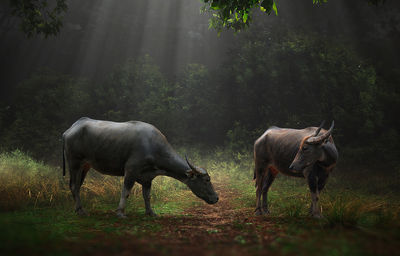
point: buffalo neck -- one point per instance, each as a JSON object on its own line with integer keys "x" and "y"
{"x": 174, "y": 166}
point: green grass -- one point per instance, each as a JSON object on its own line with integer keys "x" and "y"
{"x": 354, "y": 212}
{"x": 43, "y": 230}
{"x": 26, "y": 183}
{"x": 342, "y": 205}
{"x": 36, "y": 208}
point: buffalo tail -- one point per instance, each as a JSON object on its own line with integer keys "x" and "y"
{"x": 63, "y": 154}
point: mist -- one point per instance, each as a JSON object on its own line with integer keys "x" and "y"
{"x": 213, "y": 77}
{"x": 234, "y": 161}
{"x": 97, "y": 35}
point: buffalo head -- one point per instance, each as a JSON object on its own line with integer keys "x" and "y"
{"x": 311, "y": 149}
{"x": 200, "y": 183}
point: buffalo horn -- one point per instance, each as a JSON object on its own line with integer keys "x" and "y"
{"x": 322, "y": 137}
{"x": 319, "y": 128}
{"x": 190, "y": 165}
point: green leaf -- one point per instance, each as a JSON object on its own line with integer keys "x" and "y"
{"x": 275, "y": 9}
{"x": 245, "y": 16}
{"x": 267, "y": 5}
{"x": 215, "y": 5}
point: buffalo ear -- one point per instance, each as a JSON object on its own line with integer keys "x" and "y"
{"x": 330, "y": 150}
{"x": 190, "y": 173}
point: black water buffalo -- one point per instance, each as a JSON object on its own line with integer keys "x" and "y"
{"x": 299, "y": 153}
{"x": 136, "y": 150}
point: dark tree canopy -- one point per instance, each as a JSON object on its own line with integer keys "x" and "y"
{"x": 41, "y": 17}
{"x": 292, "y": 71}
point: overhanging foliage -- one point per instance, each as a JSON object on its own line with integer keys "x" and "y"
{"x": 42, "y": 17}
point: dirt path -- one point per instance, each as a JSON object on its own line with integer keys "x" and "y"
{"x": 220, "y": 229}
{"x": 215, "y": 229}
{"x": 228, "y": 228}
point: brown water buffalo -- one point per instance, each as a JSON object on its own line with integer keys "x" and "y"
{"x": 309, "y": 153}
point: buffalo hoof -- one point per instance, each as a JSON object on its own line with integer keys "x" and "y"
{"x": 317, "y": 216}
{"x": 121, "y": 215}
{"x": 151, "y": 214}
{"x": 265, "y": 211}
{"x": 81, "y": 212}
{"x": 258, "y": 212}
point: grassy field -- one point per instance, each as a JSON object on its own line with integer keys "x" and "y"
{"x": 37, "y": 217}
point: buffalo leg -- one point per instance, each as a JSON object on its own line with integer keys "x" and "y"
{"x": 269, "y": 178}
{"x": 258, "y": 201}
{"x": 260, "y": 176}
{"x": 146, "y": 188}
{"x": 85, "y": 169}
{"x": 77, "y": 176}
{"x": 129, "y": 181}
{"x": 313, "y": 186}
{"x": 322, "y": 179}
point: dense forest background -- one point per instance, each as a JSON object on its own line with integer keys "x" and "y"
{"x": 117, "y": 62}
